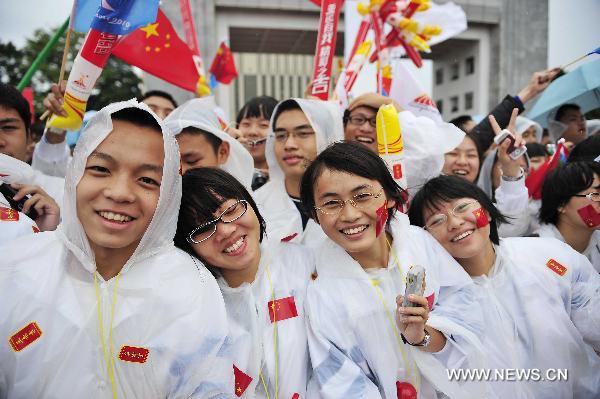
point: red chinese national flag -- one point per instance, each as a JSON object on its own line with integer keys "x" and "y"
{"x": 282, "y": 309}
{"x": 242, "y": 380}
{"x": 158, "y": 50}
{"x": 223, "y": 66}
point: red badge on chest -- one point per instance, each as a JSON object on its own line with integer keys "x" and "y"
{"x": 556, "y": 267}
{"x": 9, "y": 215}
{"x": 289, "y": 238}
{"x": 282, "y": 309}
{"x": 133, "y": 354}
{"x": 242, "y": 380}
{"x": 25, "y": 336}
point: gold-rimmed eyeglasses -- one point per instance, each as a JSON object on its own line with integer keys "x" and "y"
{"x": 360, "y": 200}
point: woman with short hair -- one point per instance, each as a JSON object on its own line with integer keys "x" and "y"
{"x": 540, "y": 298}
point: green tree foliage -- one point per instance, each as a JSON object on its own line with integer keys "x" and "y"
{"x": 117, "y": 82}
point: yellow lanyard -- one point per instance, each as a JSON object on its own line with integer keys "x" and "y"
{"x": 262, "y": 378}
{"x": 108, "y": 352}
{"x": 416, "y": 378}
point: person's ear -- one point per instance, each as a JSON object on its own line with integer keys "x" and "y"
{"x": 223, "y": 153}
{"x": 391, "y": 203}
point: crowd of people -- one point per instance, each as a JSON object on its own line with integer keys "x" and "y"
{"x": 164, "y": 252}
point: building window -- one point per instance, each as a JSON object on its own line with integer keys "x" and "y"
{"x": 440, "y": 106}
{"x": 469, "y": 100}
{"x": 470, "y": 66}
{"x": 250, "y": 89}
{"x": 454, "y": 104}
{"x": 454, "y": 71}
{"x": 439, "y": 76}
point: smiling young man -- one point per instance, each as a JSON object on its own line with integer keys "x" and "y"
{"x": 300, "y": 130}
{"x": 104, "y": 305}
{"x": 360, "y": 121}
{"x": 15, "y": 135}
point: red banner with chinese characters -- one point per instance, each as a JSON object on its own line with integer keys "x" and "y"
{"x": 330, "y": 13}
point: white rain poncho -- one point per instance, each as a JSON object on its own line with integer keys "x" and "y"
{"x": 425, "y": 143}
{"x": 539, "y": 299}
{"x": 522, "y": 124}
{"x": 14, "y": 171}
{"x": 14, "y": 224}
{"x": 353, "y": 339}
{"x": 592, "y": 252}
{"x": 511, "y": 198}
{"x": 196, "y": 113}
{"x": 169, "y": 316}
{"x": 284, "y": 272}
{"x": 281, "y": 215}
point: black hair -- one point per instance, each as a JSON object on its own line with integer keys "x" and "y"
{"x": 257, "y": 107}
{"x": 160, "y": 93}
{"x": 204, "y": 190}
{"x": 138, "y": 117}
{"x": 536, "y": 150}
{"x": 355, "y": 159}
{"x": 11, "y": 98}
{"x": 460, "y": 121}
{"x": 560, "y": 112}
{"x": 284, "y": 106}
{"x": 561, "y": 184}
{"x": 449, "y": 188}
{"x": 214, "y": 141}
{"x": 587, "y": 150}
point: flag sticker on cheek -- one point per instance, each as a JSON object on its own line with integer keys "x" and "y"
{"x": 481, "y": 219}
{"x": 590, "y": 217}
{"x": 381, "y": 220}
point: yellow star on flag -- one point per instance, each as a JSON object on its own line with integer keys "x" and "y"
{"x": 150, "y": 29}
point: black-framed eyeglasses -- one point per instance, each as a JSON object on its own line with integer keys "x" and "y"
{"x": 206, "y": 230}
{"x": 593, "y": 196}
{"x": 360, "y": 200}
{"x": 359, "y": 120}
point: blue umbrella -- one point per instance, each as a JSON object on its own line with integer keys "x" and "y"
{"x": 580, "y": 86}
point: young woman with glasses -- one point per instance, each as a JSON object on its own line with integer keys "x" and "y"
{"x": 540, "y": 298}
{"x": 570, "y": 208}
{"x": 263, "y": 283}
{"x": 358, "y": 348}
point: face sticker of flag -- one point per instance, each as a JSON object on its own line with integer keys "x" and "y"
{"x": 481, "y": 219}
{"x": 381, "y": 219}
{"x": 242, "y": 381}
{"x": 589, "y": 215}
{"x": 282, "y": 309}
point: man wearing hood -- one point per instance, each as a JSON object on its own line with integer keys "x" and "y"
{"x": 300, "y": 130}
{"x": 202, "y": 142}
{"x": 568, "y": 123}
{"x": 106, "y": 306}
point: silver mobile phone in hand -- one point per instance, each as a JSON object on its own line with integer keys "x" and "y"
{"x": 513, "y": 152}
{"x": 415, "y": 284}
